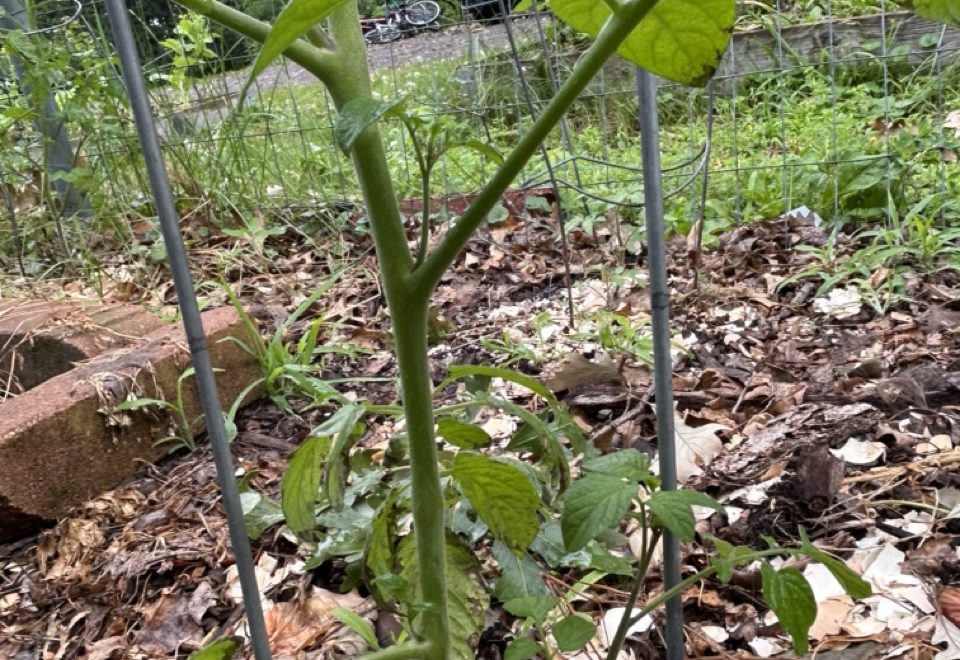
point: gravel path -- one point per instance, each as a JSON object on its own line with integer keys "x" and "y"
{"x": 451, "y": 42}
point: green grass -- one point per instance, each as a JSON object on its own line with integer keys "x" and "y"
{"x": 278, "y": 151}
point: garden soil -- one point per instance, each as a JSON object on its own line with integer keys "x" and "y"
{"x": 793, "y": 408}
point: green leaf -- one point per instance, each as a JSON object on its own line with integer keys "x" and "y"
{"x": 482, "y": 148}
{"x": 341, "y": 425}
{"x": 790, "y": 597}
{"x": 591, "y": 505}
{"x": 573, "y": 632}
{"x": 673, "y": 509}
{"x": 551, "y": 452}
{"x": 300, "y": 489}
{"x": 681, "y": 40}
{"x": 501, "y": 495}
{"x": 379, "y": 551}
{"x": 519, "y": 575}
{"x": 259, "y": 513}
{"x": 139, "y": 404}
{"x": 522, "y": 648}
{"x": 535, "y": 608}
{"x": 623, "y": 464}
{"x": 296, "y": 19}
{"x": 357, "y": 115}
{"x": 945, "y": 11}
{"x": 465, "y": 436}
{"x": 852, "y": 583}
{"x": 357, "y": 624}
{"x": 459, "y": 371}
{"x": 728, "y": 557}
{"x": 467, "y": 599}
{"x": 601, "y": 559}
{"x": 394, "y": 587}
{"x": 220, "y": 650}
{"x": 522, "y": 6}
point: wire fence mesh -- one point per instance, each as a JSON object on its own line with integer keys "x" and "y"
{"x": 846, "y": 108}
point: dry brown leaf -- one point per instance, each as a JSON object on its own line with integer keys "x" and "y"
{"x": 697, "y": 446}
{"x": 296, "y": 625}
{"x": 168, "y": 623}
{"x": 576, "y": 371}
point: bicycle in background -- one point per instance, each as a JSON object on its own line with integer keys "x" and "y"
{"x": 404, "y": 20}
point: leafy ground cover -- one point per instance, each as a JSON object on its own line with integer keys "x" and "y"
{"x": 796, "y": 406}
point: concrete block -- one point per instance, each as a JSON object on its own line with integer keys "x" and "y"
{"x": 41, "y": 339}
{"x": 62, "y": 443}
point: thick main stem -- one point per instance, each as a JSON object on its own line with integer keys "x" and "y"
{"x": 408, "y": 307}
{"x": 410, "y": 335}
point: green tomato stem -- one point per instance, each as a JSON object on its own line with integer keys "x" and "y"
{"x": 318, "y": 61}
{"x": 408, "y": 651}
{"x": 617, "y": 28}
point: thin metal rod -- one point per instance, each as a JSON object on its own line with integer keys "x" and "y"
{"x": 190, "y": 312}
{"x": 703, "y": 185}
{"x": 662, "y": 360}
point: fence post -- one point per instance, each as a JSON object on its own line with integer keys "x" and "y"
{"x": 662, "y": 360}
{"x": 59, "y": 155}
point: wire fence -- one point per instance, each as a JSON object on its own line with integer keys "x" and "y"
{"x": 849, "y": 115}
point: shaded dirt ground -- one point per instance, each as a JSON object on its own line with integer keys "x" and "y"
{"x": 768, "y": 382}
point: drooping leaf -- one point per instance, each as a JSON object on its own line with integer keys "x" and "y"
{"x": 852, "y": 583}
{"x": 223, "y": 649}
{"x": 674, "y": 509}
{"x": 482, "y": 148}
{"x": 341, "y": 426}
{"x": 379, "y": 552}
{"x": 467, "y": 600}
{"x": 300, "y": 489}
{"x": 394, "y": 587}
{"x": 296, "y": 19}
{"x": 501, "y": 495}
{"x": 522, "y": 648}
{"x": 459, "y": 371}
{"x": 790, "y": 597}
{"x": 357, "y": 624}
{"x": 681, "y": 40}
{"x": 573, "y": 632}
{"x": 945, "y": 11}
{"x": 465, "y": 436}
{"x": 357, "y": 115}
{"x": 519, "y": 575}
{"x": 591, "y": 505}
{"x": 601, "y": 559}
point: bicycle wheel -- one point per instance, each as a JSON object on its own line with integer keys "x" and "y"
{"x": 422, "y": 12}
{"x": 382, "y": 34}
